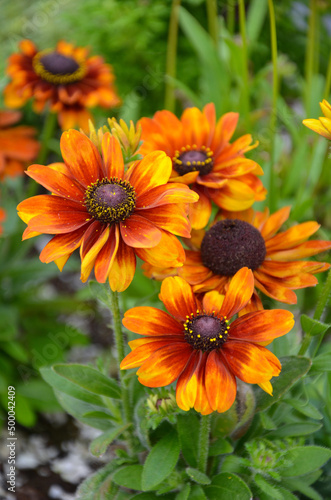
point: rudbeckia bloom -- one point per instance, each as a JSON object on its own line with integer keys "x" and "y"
{"x": 199, "y": 345}
{"x": 112, "y": 215}
{"x": 252, "y": 239}
{"x": 17, "y": 144}
{"x": 203, "y": 156}
{"x": 323, "y": 125}
{"x": 64, "y": 78}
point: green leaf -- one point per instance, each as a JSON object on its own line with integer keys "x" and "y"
{"x": 197, "y": 476}
{"x": 24, "y": 413}
{"x": 296, "y": 484}
{"x": 313, "y": 326}
{"x": 78, "y": 409}
{"x": 99, "y": 414}
{"x": 305, "y": 408}
{"x": 129, "y": 477}
{"x": 151, "y": 496}
{"x": 305, "y": 459}
{"x": 100, "y": 444}
{"x": 98, "y": 485}
{"x": 161, "y": 461}
{"x": 90, "y": 379}
{"x": 220, "y": 447}
{"x": 321, "y": 363}
{"x": 184, "y": 494}
{"x": 293, "y": 368}
{"x": 197, "y": 493}
{"x": 63, "y": 385}
{"x": 227, "y": 486}
{"x": 188, "y": 426}
{"x": 297, "y": 429}
{"x": 267, "y": 488}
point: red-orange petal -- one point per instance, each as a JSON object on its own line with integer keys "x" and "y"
{"x": 165, "y": 365}
{"x": 273, "y": 289}
{"x": 162, "y": 195}
{"x": 61, "y": 245}
{"x": 200, "y": 212}
{"x": 262, "y": 326}
{"x": 112, "y": 157}
{"x": 151, "y": 321}
{"x": 292, "y": 237}
{"x": 81, "y": 157}
{"x": 106, "y": 255}
{"x": 274, "y": 222}
{"x": 187, "y": 384}
{"x": 240, "y": 291}
{"x": 168, "y": 253}
{"x": 57, "y": 182}
{"x": 141, "y": 354}
{"x": 171, "y": 218}
{"x": 234, "y": 196}
{"x": 251, "y": 363}
{"x": 94, "y": 240}
{"x": 123, "y": 268}
{"x": 220, "y": 383}
{"x": 212, "y": 301}
{"x": 152, "y": 171}
{"x": 307, "y": 249}
{"x": 177, "y": 296}
{"x": 60, "y": 216}
{"x": 139, "y": 232}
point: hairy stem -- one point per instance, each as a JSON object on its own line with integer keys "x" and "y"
{"x": 204, "y": 442}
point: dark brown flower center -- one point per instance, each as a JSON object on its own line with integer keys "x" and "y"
{"x": 230, "y": 245}
{"x": 56, "y": 68}
{"x": 110, "y": 200}
{"x": 206, "y": 332}
{"x": 191, "y": 159}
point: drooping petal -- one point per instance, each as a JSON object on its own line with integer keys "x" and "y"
{"x": 212, "y": 301}
{"x": 235, "y": 195}
{"x": 287, "y": 269}
{"x": 152, "y": 171}
{"x": 168, "y": 253}
{"x": 165, "y": 365}
{"x": 61, "y": 245}
{"x": 123, "y": 268}
{"x": 274, "y": 289}
{"x": 106, "y": 255}
{"x": 307, "y": 249}
{"x": 81, "y": 157}
{"x": 215, "y": 282}
{"x": 251, "y": 363}
{"x": 172, "y": 218}
{"x": 112, "y": 157}
{"x": 94, "y": 239}
{"x": 187, "y": 385}
{"x": 139, "y": 355}
{"x": 178, "y": 297}
{"x": 151, "y": 321}
{"x": 194, "y": 274}
{"x": 220, "y": 383}
{"x": 201, "y": 403}
{"x": 139, "y": 232}
{"x": 200, "y": 212}
{"x": 162, "y": 195}
{"x": 240, "y": 291}
{"x": 292, "y": 237}
{"x": 262, "y": 326}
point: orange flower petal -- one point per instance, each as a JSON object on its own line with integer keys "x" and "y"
{"x": 187, "y": 385}
{"x": 251, "y": 363}
{"x": 274, "y": 289}
{"x": 112, "y": 157}
{"x": 317, "y": 126}
{"x": 151, "y": 321}
{"x": 178, "y": 297}
{"x": 139, "y": 232}
{"x": 212, "y": 301}
{"x": 61, "y": 245}
{"x": 240, "y": 291}
{"x": 141, "y": 354}
{"x": 57, "y": 182}
{"x": 215, "y": 282}
{"x": 162, "y": 195}
{"x": 307, "y": 249}
{"x": 200, "y": 212}
{"x": 266, "y": 386}
{"x": 262, "y": 326}
{"x": 201, "y": 403}
{"x": 224, "y": 131}
{"x": 94, "y": 239}
{"x": 274, "y": 222}
{"x": 292, "y": 237}
{"x": 172, "y": 218}
{"x": 287, "y": 269}
{"x": 168, "y": 253}
{"x": 81, "y": 157}
{"x": 235, "y": 195}
{"x": 164, "y": 365}
{"x": 220, "y": 383}
{"x": 123, "y": 268}
{"x": 194, "y": 274}
{"x": 152, "y": 171}
{"x": 195, "y": 127}
{"x": 106, "y": 255}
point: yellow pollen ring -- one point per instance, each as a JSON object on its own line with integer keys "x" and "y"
{"x": 58, "y": 79}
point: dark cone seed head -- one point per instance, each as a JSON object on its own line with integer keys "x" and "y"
{"x": 206, "y": 332}
{"x": 230, "y": 245}
{"x": 110, "y": 200}
{"x": 193, "y": 159}
{"x": 56, "y": 68}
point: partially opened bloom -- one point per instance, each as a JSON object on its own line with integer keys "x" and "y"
{"x": 64, "y": 78}
{"x": 203, "y": 156}
{"x": 198, "y": 345}
{"x": 251, "y": 239}
{"x": 112, "y": 215}
{"x": 323, "y": 125}
{"x": 17, "y": 144}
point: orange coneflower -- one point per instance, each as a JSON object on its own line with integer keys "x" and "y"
{"x": 2, "y": 218}
{"x": 323, "y": 125}
{"x": 199, "y": 346}
{"x": 202, "y": 155}
{"x": 17, "y": 144}
{"x": 65, "y": 78}
{"x": 250, "y": 239}
{"x": 112, "y": 215}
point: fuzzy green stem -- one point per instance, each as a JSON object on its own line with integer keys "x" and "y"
{"x": 212, "y": 20}
{"x": 310, "y": 53}
{"x": 273, "y": 116}
{"x": 230, "y": 16}
{"x": 245, "y": 87}
{"x": 321, "y": 305}
{"x": 169, "y": 101}
{"x": 47, "y": 134}
{"x": 204, "y": 442}
{"x": 328, "y": 81}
